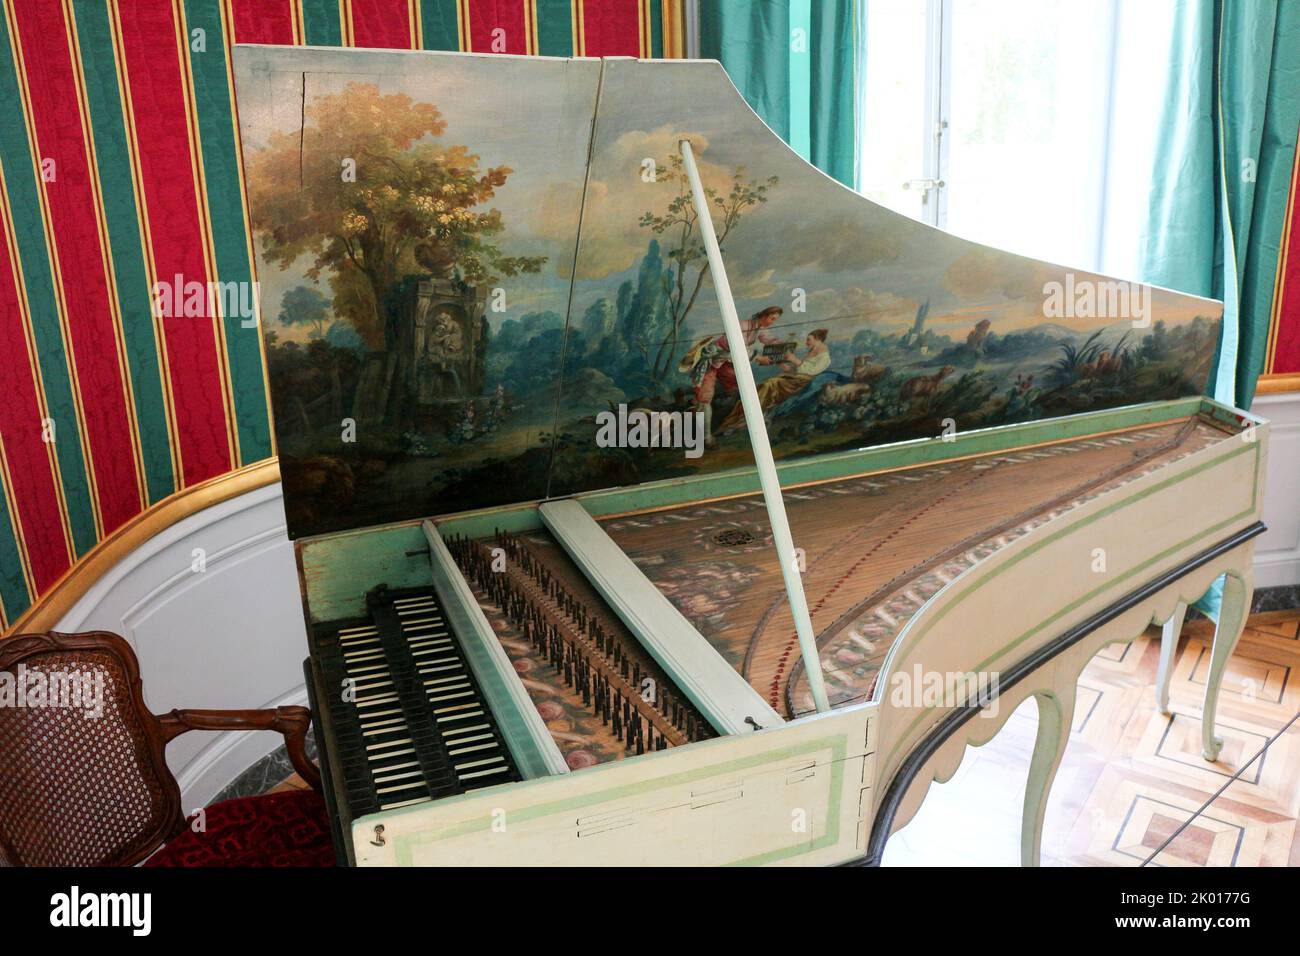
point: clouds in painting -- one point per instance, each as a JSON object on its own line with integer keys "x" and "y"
{"x": 812, "y": 234}
{"x": 854, "y": 261}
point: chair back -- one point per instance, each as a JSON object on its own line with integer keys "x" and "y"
{"x": 83, "y": 776}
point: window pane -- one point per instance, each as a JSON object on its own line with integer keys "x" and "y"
{"x": 1143, "y": 79}
{"x": 1030, "y": 82}
{"x": 894, "y": 107}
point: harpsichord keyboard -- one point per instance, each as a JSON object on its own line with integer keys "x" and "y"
{"x": 408, "y": 718}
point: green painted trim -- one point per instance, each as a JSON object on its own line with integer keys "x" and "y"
{"x": 838, "y": 747}
{"x": 515, "y": 519}
{"x": 1228, "y": 414}
{"x": 38, "y": 280}
{"x": 108, "y": 127}
{"x": 405, "y": 843}
{"x": 213, "y": 90}
{"x": 921, "y": 451}
{"x": 338, "y": 570}
{"x": 322, "y": 25}
{"x": 555, "y": 27}
{"x": 530, "y": 743}
{"x": 523, "y": 516}
{"x": 438, "y": 23}
{"x": 909, "y": 640}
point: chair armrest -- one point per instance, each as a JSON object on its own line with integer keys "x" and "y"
{"x": 292, "y": 722}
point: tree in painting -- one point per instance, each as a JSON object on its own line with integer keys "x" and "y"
{"x": 368, "y": 193}
{"x": 304, "y": 305}
{"x": 685, "y": 252}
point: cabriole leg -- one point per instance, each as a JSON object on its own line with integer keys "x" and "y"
{"x": 1168, "y": 648}
{"x": 1238, "y": 586}
{"x": 1054, "y": 717}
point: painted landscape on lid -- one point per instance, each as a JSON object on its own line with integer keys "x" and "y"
{"x": 474, "y": 269}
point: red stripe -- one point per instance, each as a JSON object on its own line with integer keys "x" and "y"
{"x": 33, "y": 490}
{"x": 75, "y": 227}
{"x": 381, "y": 23}
{"x": 1286, "y": 349}
{"x": 149, "y": 45}
{"x": 263, "y": 21}
{"x": 487, "y": 16}
{"x": 611, "y": 27}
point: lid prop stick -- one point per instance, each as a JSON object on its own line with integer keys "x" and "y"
{"x": 767, "y": 476}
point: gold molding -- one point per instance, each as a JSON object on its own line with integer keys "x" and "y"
{"x": 1273, "y": 384}
{"x": 50, "y": 607}
{"x": 673, "y": 26}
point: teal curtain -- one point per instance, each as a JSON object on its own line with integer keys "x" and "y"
{"x": 1219, "y": 189}
{"x": 798, "y": 63}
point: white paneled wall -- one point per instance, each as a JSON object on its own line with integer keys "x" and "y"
{"x": 1277, "y": 554}
{"x": 220, "y": 628}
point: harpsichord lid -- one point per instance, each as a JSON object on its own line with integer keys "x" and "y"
{"x": 481, "y": 283}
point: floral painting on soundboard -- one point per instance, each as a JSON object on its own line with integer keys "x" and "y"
{"x": 467, "y": 304}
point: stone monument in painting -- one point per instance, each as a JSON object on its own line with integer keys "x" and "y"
{"x": 435, "y": 360}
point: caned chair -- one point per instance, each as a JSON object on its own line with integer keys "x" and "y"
{"x": 80, "y": 788}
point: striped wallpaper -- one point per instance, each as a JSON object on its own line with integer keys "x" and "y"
{"x": 1282, "y": 356}
{"x": 119, "y": 170}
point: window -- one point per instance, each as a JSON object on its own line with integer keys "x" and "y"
{"x": 1024, "y": 124}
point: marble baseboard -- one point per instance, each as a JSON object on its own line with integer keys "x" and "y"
{"x": 265, "y": 774}
{"x": 1282, "y": 598}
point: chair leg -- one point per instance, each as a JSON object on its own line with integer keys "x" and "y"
{"x": 1238, "y": 587}
{"x": 1054, "y": 718}
{"x": 1168, "y": 648}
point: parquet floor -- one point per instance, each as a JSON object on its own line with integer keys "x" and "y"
{"x": 1133, "y": 777}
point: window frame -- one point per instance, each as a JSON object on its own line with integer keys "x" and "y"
{"x": 940, "y": 26}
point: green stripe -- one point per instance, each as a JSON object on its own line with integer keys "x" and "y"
{"x": 114, "y": 165}
{"x": 212, "y": 85}
{"x": 555, "y": 27}
{"x": 14, "y": 599}
{"x": 656, "y": 29}
{"x": 321, "y": 23}
{"x": 438, "y": 20}
{"x": 16, "y": 161}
